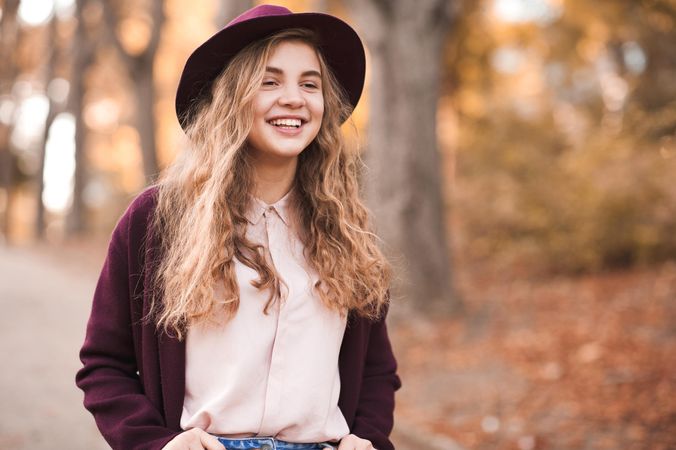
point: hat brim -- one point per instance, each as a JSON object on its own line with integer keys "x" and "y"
{"x": 338, "y": 42}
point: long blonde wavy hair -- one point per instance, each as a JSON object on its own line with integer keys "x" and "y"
{"x": 203, "y": 198}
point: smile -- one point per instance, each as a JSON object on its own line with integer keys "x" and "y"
{"x": 286, "y": 123}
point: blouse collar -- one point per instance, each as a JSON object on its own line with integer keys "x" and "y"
{"x": 281, "y": 207}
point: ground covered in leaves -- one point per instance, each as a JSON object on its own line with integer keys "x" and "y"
{"x": 545, "y": 363}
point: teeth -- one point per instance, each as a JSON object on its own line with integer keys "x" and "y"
{"x": 286, "y": 122}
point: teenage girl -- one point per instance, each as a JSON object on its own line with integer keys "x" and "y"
{"x": 242, "y": 302}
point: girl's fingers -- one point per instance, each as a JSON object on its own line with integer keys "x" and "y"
{"x": 210, "y": 442}
{"x": 352, "y": 442}
{"x": 194, "y": 439}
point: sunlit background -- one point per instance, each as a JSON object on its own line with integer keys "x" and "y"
{"x": 556, "y": 130}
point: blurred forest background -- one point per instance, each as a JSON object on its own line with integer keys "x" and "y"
{"x": 521, "y": 161}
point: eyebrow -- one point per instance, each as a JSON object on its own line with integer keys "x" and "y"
{"x": 307, "y": 73}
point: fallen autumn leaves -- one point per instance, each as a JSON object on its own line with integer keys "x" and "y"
{"x": 564, "y": 363}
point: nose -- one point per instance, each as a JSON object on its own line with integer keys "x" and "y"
{"x": 291, "y": 96}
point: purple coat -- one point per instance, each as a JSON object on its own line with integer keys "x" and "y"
{"x": 133, "y": 377}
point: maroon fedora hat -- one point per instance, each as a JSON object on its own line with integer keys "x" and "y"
{"x": 338, "y": 42}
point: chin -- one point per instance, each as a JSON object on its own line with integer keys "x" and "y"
{"x": 284, "y": 153}
{"x": 274, "y": 147}
{"x": 288, "y": 151}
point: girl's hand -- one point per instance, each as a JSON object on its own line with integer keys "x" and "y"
{"x": 194, "y": 439}
{"x": 352, "y": 442}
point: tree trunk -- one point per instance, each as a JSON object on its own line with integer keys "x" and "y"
{"x": 141, "y": 71}
{"x": 321, "y": 6}
{"x": 83, "y": 52}
{"x": 229, "y": 9}
{"x": 9, "y": 35}
{"x": 403, "y": 184}
{"x": 144, "y": 86}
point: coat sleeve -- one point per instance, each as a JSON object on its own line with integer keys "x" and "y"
{"x": 113, "y": 392}
{"x": 375, "y": 410}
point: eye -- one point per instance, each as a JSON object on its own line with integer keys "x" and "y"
{"x": 310, "y": 85}
{"x": 269, "y": 82}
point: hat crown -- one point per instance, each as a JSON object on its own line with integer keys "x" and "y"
{"x": 259, "y": 11}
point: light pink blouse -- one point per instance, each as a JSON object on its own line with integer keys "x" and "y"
{"x": 275, "y": 374}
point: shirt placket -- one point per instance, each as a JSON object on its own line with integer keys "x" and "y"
{"x": 273, "y": 392}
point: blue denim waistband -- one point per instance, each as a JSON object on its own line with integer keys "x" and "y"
{"x": 268, "y": 443}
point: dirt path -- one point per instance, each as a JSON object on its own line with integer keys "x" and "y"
{"x": 44, "y": 309}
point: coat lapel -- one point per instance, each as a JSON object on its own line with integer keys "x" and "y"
{"x": 172, "y": 377}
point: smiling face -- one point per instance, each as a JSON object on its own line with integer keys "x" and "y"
{"x": 289, "y": 105}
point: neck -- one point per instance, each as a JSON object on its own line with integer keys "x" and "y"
{"x": 274, "y": 179}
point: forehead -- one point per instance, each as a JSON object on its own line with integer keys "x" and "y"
{"x": 293, "y": 55}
